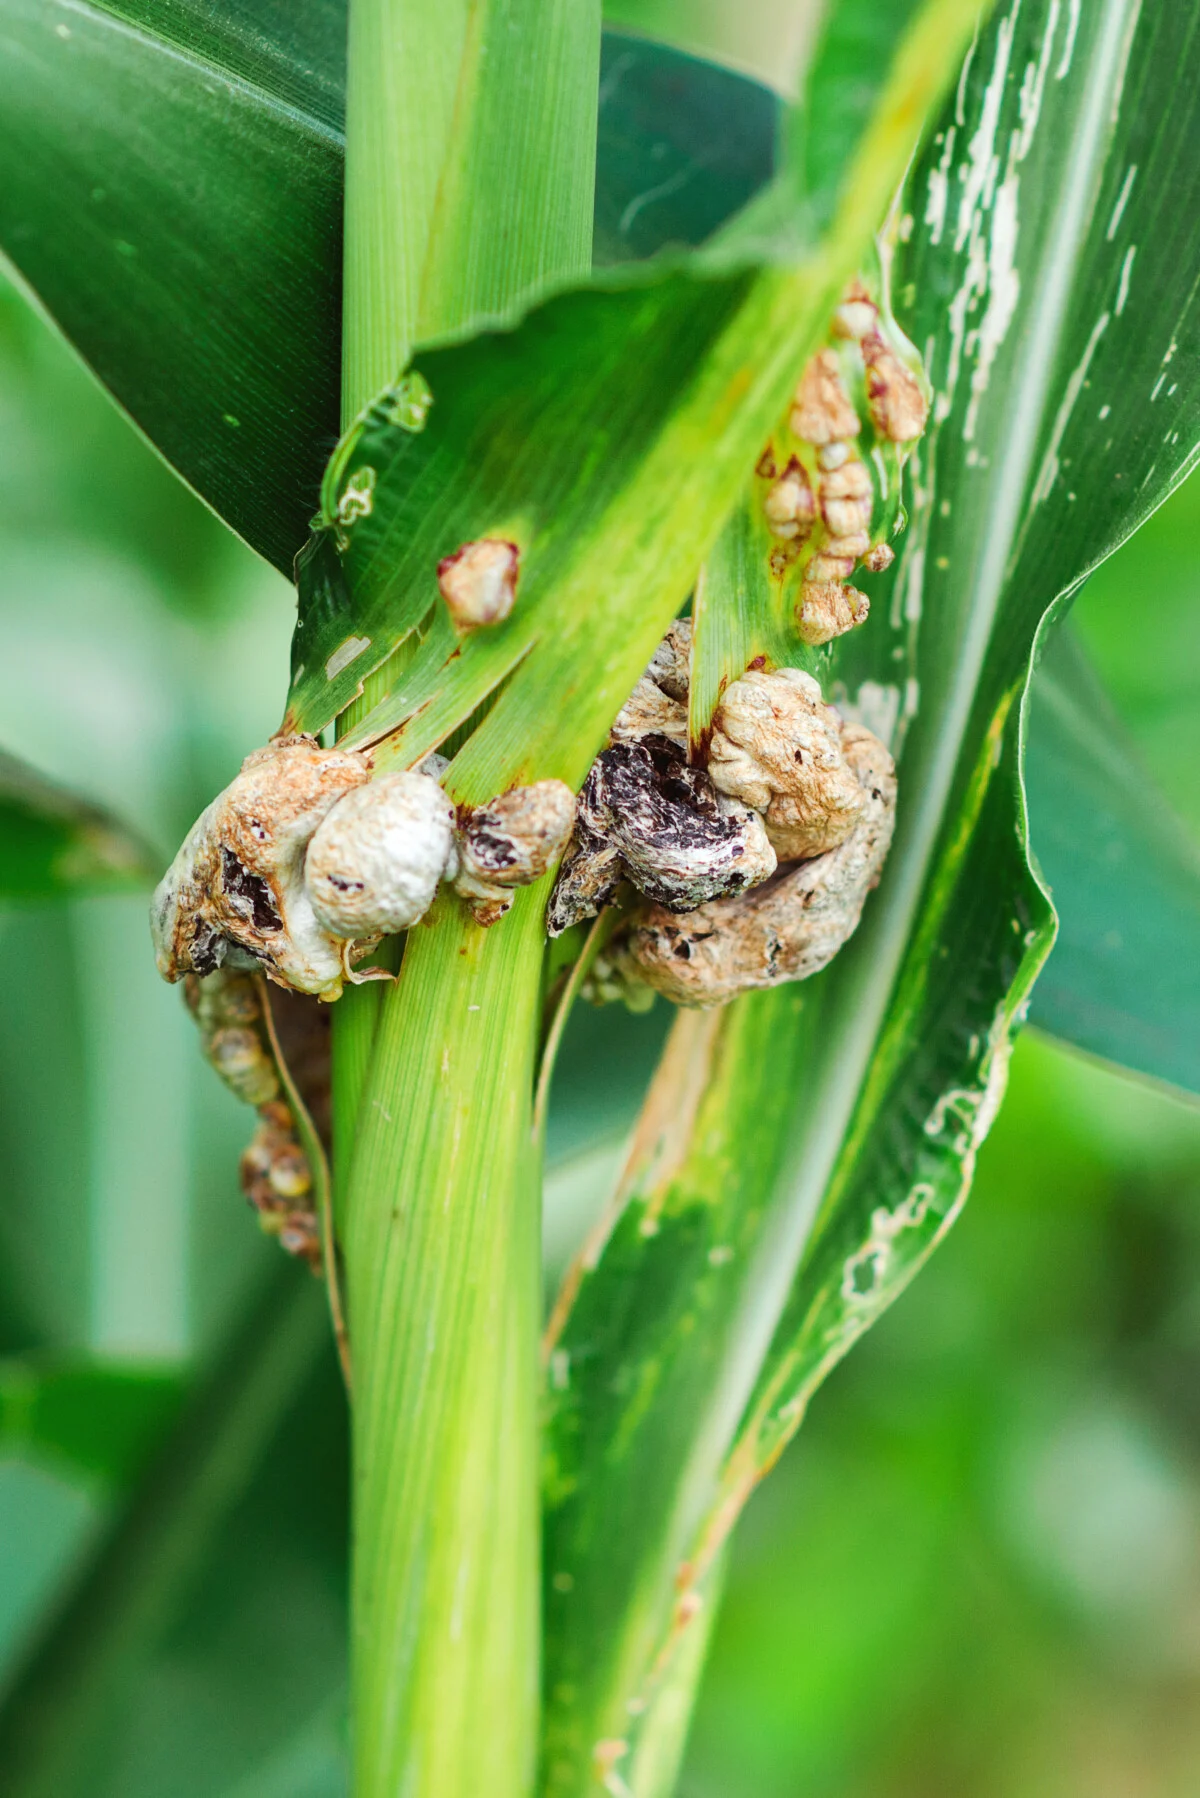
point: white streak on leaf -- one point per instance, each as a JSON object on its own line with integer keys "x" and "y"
{"x": 1122, "y": 201}
{"x": 1004, "y": 291}
{"x": 1048, "y": 473}
{"x": 960, "y": 97}
{"x": 344, "y": 654}
{"x": 1033, "y": 87}
{"x": 939, "y": 189}
{"x": 1123, "y": 283}
{"x": 1063, "y": 69}
{"x": 979, "y": 175}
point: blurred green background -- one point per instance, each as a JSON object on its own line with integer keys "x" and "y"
{"x": 978, "y": 1569}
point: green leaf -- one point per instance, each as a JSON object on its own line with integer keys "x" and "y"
{"x": 52, "y": 843}
{"x": 225, "y": 1565}
{"x": 101, "y": 1419}
{"x": 840, "y": 94}
{"x": 296, "y": 54}
{"x": 1124, "y": 979}
{"x": 1053, "y": 301}
{"x": 682, "y": 146}
{"x": 609, "y": 521}
{"x": 144, "y": 202}
{"x": 173, "y": 192}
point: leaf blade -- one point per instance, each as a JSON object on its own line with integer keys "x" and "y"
{"x": 1125, "y": 878}
{"x": 105, "y": 131}
{"x": 235, "y": 220}
{"x": 53, "y": 843}
{"x": 904, "y": 1040}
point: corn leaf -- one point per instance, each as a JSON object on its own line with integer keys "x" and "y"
{"x": 101, "y": 1419}
{"x": 682, "y": 144}
{"x": 185, "y": 1570}
{"x": 478, "y": 192}
{"x": 52, "y": 843}
{"x": 1124, "y": 979}
{"x": 173, "y": 195}
{"x": 142, "y": 191}
{"x": 1042, "y": 267}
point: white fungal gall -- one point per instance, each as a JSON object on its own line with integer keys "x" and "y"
{"x": 658, "y": 704}
{"x": 510, "y": 842}
{"x": 374, "y": 862}
{"x": 646, "y": 816}
{"x": 898, "y": 407}
{"x": 479, "y": 582}
{"x": 821, "y": 410}
{"x": 849, "y": 518}
{"x": 235, "y": 894}
{"x": 827, "y": 512}
{"x": 778, "y": 748}
{"x": 828, "y": 609}
{"x": 857, "y": 314}
{"x": 849, "y": 480}
{"x": 789, "y": 505}
{"x": 785, "y": 930}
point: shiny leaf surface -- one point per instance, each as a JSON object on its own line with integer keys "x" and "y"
{"x": 142, "y": 195}
{"x": 1046, "y": 286}
{"x": 173, "y": 197}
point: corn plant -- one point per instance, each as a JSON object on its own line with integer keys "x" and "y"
{"x": 496, "y": 329}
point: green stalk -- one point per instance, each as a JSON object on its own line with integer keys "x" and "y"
{"x": 442, "y": 1259}
{"x": 470, "y": 168}
{"x": 471, "y": 129}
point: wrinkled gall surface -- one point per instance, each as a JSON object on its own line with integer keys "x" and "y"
{"x": 829, "y": 481}
{"x": 658, "y": 704}
{"x": 788, "y": 928}
{"x": 376, "y": 858}
{"x": 776, "y": 746}
{"x": 675, "y": 837}
{"x": 755, "y": 868}
{"x": 305, "y": 861}
{"x": 510, "y": 842}
{"x": 235, "y": 895}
